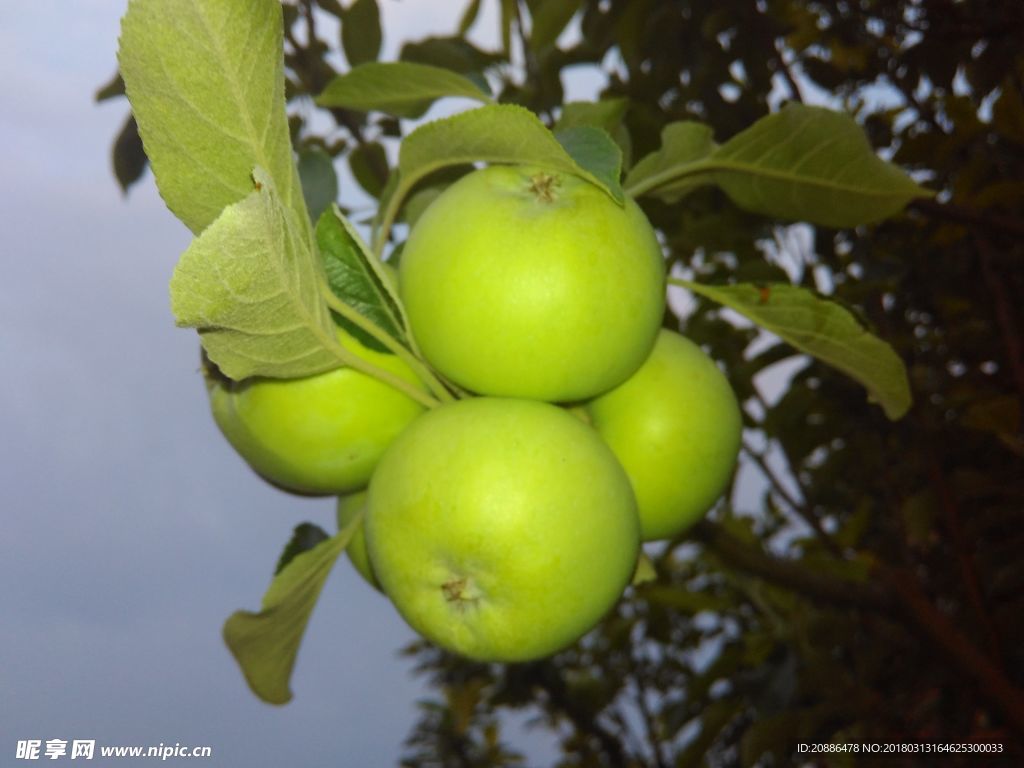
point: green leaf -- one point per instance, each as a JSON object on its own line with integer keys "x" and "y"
{"x": 356, "y": 277}
{"x": 205, "y": 79}
{"x": 500, "y": 133}
{"x": 251, "y": 285}
{"x": 550, "y": 20}
{"x": 128, "y": 156}
{"x": 645, "y": 571}
{"x": 304, "y": 538}
{"x": 110, "y": 89}
{"x": 802, "y": 163}
{"x": 683, "y": 144}
{"x": 319, "y": 180}
{"x": 811, "y": 164}
{"x": 398, "y": 88}
{"x": 369, "y": 165}
{"x": 266, "y": 644}
{"x": 823, "y": 329}
{"x": 360, "y": 32}
{"x": 606, "y": 114}
{"x": 681, "y": 599}
{"x": 452, "y": 53}
{"x": 596, "y": 152}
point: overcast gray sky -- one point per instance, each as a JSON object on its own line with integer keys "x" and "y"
{"x": 131, "y": 530}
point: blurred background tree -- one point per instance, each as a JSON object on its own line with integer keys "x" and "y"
{"x": 864, "y": 580}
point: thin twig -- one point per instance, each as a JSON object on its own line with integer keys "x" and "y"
{"x": 610, "y": 745}
{"x": 423, "y": 373}
{"x": 787, "y": 73}
{"x": 657, "y": 745}
{"x": 800, "y": 508}
{"x": 528, "y": 56}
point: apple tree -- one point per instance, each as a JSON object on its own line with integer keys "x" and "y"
{"x": 835, "y": 188}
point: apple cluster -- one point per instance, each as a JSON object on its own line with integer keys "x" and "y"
{"x": 505, "y": 524}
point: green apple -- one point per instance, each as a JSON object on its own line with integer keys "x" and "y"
{"x": 502, "y": 529}
{"x": 348, "y": 508}
{"x": 523, "y": 282}
{"x": 675, "y": 426}
{"x": 319, "y": 435}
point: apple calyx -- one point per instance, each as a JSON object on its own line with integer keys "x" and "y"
{"x": 544, "y": 186}
{"x": 460, "y": 592}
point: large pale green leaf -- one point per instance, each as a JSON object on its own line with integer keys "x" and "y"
{"x": 683, "y": 144}
{"x": 398, "y": 87}
{"x": 500, "y": 133}
{"x": 823, "y": 329}
{"x": 266, "y": 644}
{"x": 802, "y": 163}
{"x": 811, "y": 164}
{"x": 206, "y": 83}
{"x": 355, "y": 277}
{"x": 251, "y": 284}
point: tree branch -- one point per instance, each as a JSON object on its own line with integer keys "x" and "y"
{"x": 937, "y": 627}
{"x": 903, "y": 600}
{"x": 800, "y": 508}
{"x": 789, "y": 574}
{"x": 787, "y": 73}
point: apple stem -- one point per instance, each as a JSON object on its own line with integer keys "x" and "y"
{"x": 393, "y": 345}
{"x": 386, "y": 377}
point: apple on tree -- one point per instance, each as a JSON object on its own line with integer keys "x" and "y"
{"x": 501, "y": 529}
{"x": 318, "y": 435}
{"x": 524, "y": 282}
{"x": 348, "y": 508}
{"x": 675, "y": 426}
